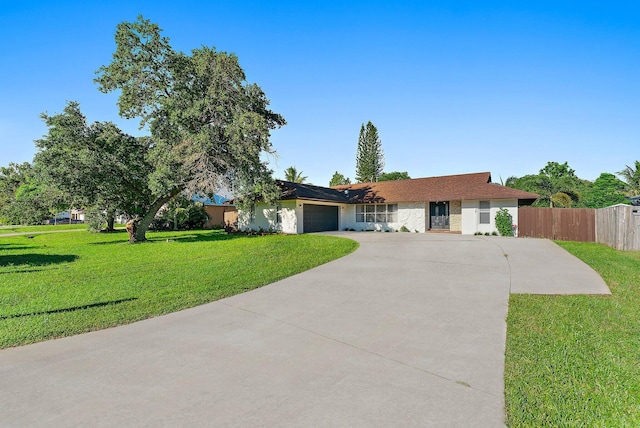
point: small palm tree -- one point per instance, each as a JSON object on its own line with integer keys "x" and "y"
{"x": 292, "y": 174}
{"x": 560, "y": 193}
{"x": 632, "y": 177}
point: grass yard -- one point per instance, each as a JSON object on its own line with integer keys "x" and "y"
{"x": 60, "y": 284}
{"x": 43, "y": 228}
{"x": 574, "y": 361}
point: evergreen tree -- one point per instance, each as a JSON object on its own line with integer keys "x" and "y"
{"x": 369, "y": 158}
{"x": 338, "y": 179}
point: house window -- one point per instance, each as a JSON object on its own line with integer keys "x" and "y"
{"x": 377, "y": 213}
{"x": 485, "y": 212}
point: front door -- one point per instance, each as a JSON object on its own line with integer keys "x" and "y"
{"x": 439, "y": 215}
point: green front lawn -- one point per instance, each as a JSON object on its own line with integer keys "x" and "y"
{"x": 60, "y": 284}
{"x": 575, "y": 360}
{"x": 43, "y": 228}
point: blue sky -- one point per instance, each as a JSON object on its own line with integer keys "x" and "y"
{"x": 452, "y": 86}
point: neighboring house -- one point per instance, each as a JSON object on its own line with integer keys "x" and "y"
{"x": 220, "y": 215}
{"x": 219, "y": 211}
{"x": 635, "y": 201}
{"x": 465, "y": 203}
{"x": 67, "y": 217}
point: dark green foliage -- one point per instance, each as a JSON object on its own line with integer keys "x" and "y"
{"x": 605, "y": 191}
{"x": 26, "y": 197}
{"x": 97, "y": 165}
{"x": 12, "y": 177}
{"x": 556, "y": 184}
{"x": 338, "y": 179}
{"x": 369, "y": 157}
{"x": 504, "y": 222}
{"x": 180, "y": 214}
{"x": 209, "y": 126}
{"x": 394, "y": 175}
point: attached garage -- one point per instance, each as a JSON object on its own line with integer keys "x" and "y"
{"x": 319, "y": 218}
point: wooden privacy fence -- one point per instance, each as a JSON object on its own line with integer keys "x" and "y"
{"x": 619, "y": 227}
{"x": 566, "y": 224}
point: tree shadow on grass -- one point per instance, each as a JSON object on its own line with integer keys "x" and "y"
{"x": 71, "y": 309}
{"x": 35, "y": 259}
{"x": 180, "y": 236}
{"x": 14, "y": 246}
{"x": 198, "y": 237}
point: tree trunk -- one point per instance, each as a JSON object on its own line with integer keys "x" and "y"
{"x": 132, "y": 228}
{"x": 111, "y": 219}
{"x": 140, "y": 225}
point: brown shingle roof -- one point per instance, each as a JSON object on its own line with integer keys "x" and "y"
{"x": 444, "y": 188}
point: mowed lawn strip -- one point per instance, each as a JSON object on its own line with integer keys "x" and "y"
{"x": 44, "y": 228}
{"x": 60, "y": 284}
{"x": 575, "y": 360}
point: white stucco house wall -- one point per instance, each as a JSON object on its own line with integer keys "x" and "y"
{"x": 466, "y": 203}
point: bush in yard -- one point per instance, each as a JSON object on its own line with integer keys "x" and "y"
{"x": 180, "y": 214}
{"x": 95, "y": 220}
{"x": 504, "y": 222}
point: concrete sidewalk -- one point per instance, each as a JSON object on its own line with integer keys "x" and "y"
{"x": 409, "y": 330}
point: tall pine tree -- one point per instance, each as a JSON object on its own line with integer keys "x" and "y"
{"x": 369, "y": 158}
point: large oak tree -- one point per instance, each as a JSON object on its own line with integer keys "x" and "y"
{"x": 209, "y": 127}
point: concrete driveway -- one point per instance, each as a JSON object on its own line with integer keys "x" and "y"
{"x": 409, "y": 330}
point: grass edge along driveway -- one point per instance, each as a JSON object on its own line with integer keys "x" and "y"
{"x": 59, "y": 284}
{"x": 573, "y": 360}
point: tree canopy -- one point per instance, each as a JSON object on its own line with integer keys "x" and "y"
{"x": 97, "y": 165}
{"x": 605, "y": 191}
{"x": 293, "y": 175}
{"x": 12, "y": 177}
{"x": 369, "y": 156}
{"x": 338, "y": 179}
{"x": 394, "y": 175}
{"x": 24, "y": 198}
{"x": 209, "y": 127}
{"x": 556, "y": 184}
